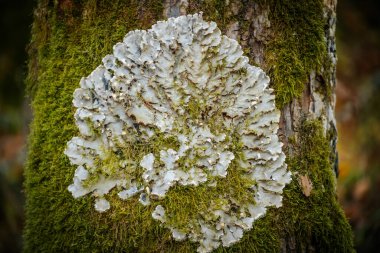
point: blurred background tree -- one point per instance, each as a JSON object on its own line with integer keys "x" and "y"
{"x": 358, "y": 104}
{"x": 15, "y": 20}
{"x": 358, "y": 115}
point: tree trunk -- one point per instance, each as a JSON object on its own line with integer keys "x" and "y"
{"x": 292, "y": 41}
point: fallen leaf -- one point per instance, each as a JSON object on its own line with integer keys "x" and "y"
{"x": 306, "y": 185}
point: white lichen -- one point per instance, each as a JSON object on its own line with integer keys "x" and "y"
{"x": 179, "y": 80}
{"x": 159, "y": 213}
{"x": 101, "y": 205}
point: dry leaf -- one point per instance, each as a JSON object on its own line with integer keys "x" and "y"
{"x": 306, "y": 185}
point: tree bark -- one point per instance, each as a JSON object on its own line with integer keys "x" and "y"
{"x": 292, "y": 41}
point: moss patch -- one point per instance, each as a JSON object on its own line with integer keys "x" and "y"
{"x": 317, "y": 219}
{"x": 297, "y": 48}
{"x": 69, "y": 41}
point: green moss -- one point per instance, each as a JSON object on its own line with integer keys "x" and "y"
{"x": 67, "y": 44}
{"x": 190, "y": 203}
{"x": 297, "y": 47}
{"x": 318, "y": 219}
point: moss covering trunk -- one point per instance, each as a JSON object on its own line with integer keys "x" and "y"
{"x": 293, "y": 41}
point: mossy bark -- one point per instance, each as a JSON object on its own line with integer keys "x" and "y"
{"x": 293, "y": 41}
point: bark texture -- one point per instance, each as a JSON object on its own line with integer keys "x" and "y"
{"x": 293, "y": 41}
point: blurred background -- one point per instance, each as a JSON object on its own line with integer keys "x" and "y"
{"x": 15, "y": 22}
{"x": 358, "y": 117}
{"x": 357, "y": 112}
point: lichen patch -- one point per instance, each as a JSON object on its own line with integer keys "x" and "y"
{"x": 179, "y": 107}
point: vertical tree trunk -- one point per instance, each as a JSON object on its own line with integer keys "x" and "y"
{"x": 293, "y": 41}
